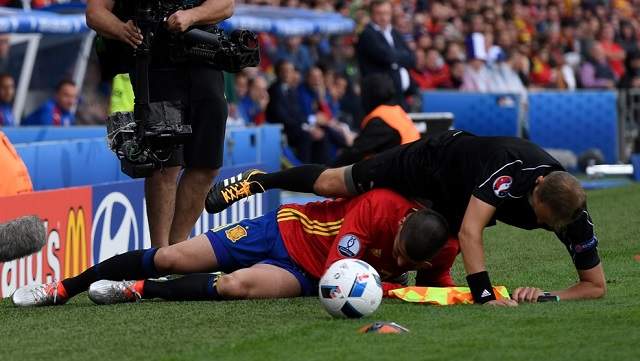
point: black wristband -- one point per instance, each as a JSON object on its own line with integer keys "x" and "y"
{"x": 480, "y": 286}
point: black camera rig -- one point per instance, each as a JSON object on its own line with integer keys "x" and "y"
{"x": 145, "y": 139}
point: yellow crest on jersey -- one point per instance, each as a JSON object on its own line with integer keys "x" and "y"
{"x": 235, "y": 233}
{"x": 376, "y": 252}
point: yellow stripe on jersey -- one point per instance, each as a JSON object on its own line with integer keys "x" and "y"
{"x": 310, "y": 226}
{"x": 311, "y": 230}
{"x": 289, "y": 212}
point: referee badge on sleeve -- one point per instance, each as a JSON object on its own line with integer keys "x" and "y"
{"x": 349, "y": 245}
{"x": 586, "y": 246}
{"x": 501, "y": 186}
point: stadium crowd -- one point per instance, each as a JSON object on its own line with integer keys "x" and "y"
{"x": 470, "y": 45}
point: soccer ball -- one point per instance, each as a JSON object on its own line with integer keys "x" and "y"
{"x": 350, "y": 288}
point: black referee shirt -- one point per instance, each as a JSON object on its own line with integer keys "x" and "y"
{"x": 500, "y": 171}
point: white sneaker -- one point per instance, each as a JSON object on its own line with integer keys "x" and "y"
{"x": 105, "y": 292}
{"x": 37, "y": 295}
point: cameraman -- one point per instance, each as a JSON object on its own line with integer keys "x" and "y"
{"x": 172, "y": 206}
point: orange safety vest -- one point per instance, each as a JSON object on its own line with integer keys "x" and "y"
{"x": 15, "y": 179}
{"x": 396, "y": 118}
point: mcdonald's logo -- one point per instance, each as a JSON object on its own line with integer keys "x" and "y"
{"x": 75, "y": 254}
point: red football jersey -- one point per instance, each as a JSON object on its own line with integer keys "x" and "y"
{"x": 319, "y": 233}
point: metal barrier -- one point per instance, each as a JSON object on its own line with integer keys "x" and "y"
{"x": 432, "y": 123}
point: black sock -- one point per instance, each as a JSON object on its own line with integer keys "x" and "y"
{"x": 191, "y": 287}
{"x": 296, "y": 179}
{"x": 134, "y": 265}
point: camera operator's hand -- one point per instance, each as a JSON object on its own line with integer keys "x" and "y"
{"x": 180, "y": 21}
{"x": 100, "y": 17}
{"x": 129, "y": 33}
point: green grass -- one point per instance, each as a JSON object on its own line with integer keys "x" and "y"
{"x": 298, "y": 329}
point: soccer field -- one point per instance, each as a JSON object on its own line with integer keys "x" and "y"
{"x": 299, "y": 329}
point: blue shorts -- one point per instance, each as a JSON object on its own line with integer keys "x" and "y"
{"x": 256, "y": 241}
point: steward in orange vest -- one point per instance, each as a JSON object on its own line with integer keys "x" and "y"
{"x": 15, "y": 178}
{"x": 385, "y": 126}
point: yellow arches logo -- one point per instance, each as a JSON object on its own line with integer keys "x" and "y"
{"x": 75, "y": 253}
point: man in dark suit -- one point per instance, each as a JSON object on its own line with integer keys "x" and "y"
{"x": 381, "y": 49}
{"x": 307, "y": 139}
{"x": 284, "y": 108}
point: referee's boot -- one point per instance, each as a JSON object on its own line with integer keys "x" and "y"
{"x": 228, "y": 191}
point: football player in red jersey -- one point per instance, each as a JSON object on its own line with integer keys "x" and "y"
{"x": 280, "y": 254}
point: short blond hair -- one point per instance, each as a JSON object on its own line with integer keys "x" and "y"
{"x": 564, "y": 196}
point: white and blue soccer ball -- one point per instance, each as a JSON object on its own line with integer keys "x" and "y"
{"x": 350, "y": 288}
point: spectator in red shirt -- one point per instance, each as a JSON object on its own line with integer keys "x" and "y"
{"x": 614, "y": 52}
{"x": 431, "y": 72}
{"x": 541, "y": 72}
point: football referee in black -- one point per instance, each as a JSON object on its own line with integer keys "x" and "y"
{"x": 473, "y": 181}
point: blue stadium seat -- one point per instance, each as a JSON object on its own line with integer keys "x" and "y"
{"x": 19, "y": 135}
{"x": 67, "y": 163}
{"x": 241, "y": 146}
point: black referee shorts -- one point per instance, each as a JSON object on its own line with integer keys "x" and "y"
{"x": 201, "y": 91}
{"x": 401, "y": 168}
{"x": 413, "y": 169}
